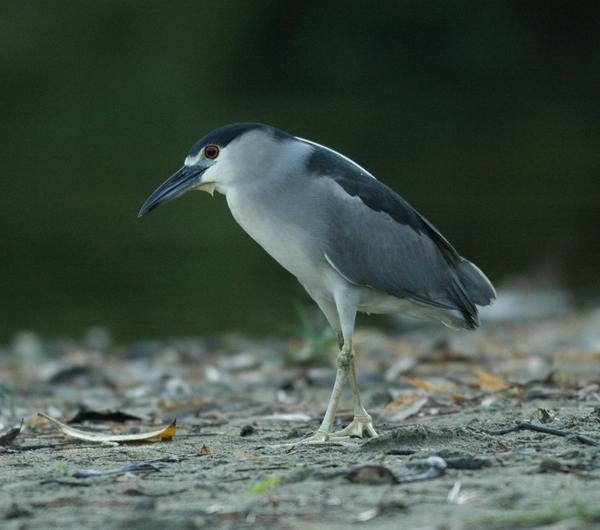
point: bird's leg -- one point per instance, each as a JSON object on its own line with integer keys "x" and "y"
{"x": 361, "y": 425}
{"x": 344, "y": 360}
{"x": 340, "y": 340}
{"x": 323, "y": 434}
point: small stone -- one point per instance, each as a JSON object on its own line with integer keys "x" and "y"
{"x": 373, "y": 475}
{"x": 146, "y": 504}
{"x": 247, "y": 430}
{"x": 15, "y": 511}
{"x": 553, "y": 465}
{"x": 295, "y": 433}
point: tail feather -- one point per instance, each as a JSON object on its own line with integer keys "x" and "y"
{"x": 476, "y": 284}
{"x": 465, "y": 305}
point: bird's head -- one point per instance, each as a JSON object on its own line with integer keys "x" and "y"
{"x": 219, "y": 160}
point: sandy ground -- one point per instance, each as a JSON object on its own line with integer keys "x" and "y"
{"x": 432, "y": 392}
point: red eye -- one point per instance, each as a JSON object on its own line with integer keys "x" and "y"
{"x": 211, "y": 151}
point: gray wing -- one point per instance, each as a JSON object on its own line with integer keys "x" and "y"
{"x": 376, "y": 239}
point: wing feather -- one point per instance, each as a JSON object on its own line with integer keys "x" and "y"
{"x": 377, "y": 239}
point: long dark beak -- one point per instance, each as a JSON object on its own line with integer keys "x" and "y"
{"x": 176, "y": 185}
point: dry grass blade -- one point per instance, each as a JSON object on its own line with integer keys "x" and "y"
{"x": 166, "y": 433}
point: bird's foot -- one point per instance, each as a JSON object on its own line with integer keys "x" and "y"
{"x": 360, "y": 427}
{"x": 320, "y": 438}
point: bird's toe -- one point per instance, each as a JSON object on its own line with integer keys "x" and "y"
{"x": 358, "y": 428}
{"x": 320, "y": 438}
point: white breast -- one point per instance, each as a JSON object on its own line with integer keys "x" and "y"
{"x": 286, "y": 241}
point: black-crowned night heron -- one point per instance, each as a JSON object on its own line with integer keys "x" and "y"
{"x": 352, "y": 242}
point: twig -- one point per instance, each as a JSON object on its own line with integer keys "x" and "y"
{"x": 198, "y": 434}
{"x": 529, "y": 426}
{"x": 236, "y": 479}
{"x": 66, "y": 483}
{"x": 21, "y": 448}
{"x": 264, "y": 468}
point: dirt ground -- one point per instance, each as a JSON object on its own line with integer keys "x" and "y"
{"x": 238, "y": 402}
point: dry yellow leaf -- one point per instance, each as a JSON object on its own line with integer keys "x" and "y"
{"x": 403, "y": 407}
{"x": 581, "y": 357}
{"x": 35, "y": 422}
{"x": 166, "y": 433}
{"x": 489, "y": 382}
{"x": 424, "y": 385}
{"x": 171, "y": 406}
{"x": 458, "y": 398}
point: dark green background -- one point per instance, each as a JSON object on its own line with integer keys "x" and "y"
{"x": 484, "y": 115}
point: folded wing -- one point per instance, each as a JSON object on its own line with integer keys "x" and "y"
{"x": 376, "y": 239}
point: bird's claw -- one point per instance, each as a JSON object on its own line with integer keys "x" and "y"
{"x": 316, "y": 438}
{"x": 359, "y": 427}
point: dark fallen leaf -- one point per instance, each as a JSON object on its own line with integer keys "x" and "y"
{"x": 134, "y": 492}
{"x": 9, "y": 436}
{"x": 110, "y": 415}
{"x": 394, "y": 505}
{"x": 81, "y": 375}
{"x": 401, "y": 452}
{"x": 373, "y": 475}
{"x": 65, "y": 375}
{"x": 23, "y": 448}
{"x": 262, "y": 468}
{"x": 467, "y": 462}
{"x": 130, "y": 468}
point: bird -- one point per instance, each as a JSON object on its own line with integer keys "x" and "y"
{"x": 353, "y": 243}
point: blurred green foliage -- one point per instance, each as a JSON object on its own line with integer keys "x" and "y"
{"x": 484, "y": 115}
{"x": 315, "y": 337}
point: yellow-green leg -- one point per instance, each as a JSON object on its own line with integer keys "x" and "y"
{"x": 362, "y": 424}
